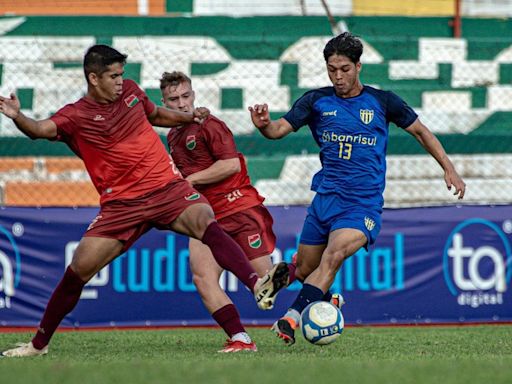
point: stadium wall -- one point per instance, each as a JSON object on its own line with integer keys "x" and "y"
{"x": 461, "y": 88}
{"x": 428, "y": 266}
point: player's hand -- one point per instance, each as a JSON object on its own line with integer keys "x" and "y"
{"x": 200, "y": 114}
{"x": 260, "y": 115}
{"x": 10, "y": 107}
{"x": 189, "y": 180}
{"x": 453, "y": 179}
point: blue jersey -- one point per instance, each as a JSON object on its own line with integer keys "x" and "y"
{"x": 352, "y": 134}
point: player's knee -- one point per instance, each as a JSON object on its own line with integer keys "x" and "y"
{"x": 83, "y": 270}
{"x": 300, "y": 274}
{"x": 204, "y": 283}
{"x": 332, "y": 260}
{"x": 199, "y": 222}
{"x": 304, "y": 269}
{"x": 199, "y": 281}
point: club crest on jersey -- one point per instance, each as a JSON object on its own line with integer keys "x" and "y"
{"x": 190, "y": 142}
{"x": 193, "y": 196}
{"x": 369, "y": 223}
{"x": 131, "y": 101}
{"x": 366, "y": 115}
{"x": 254, "y": 240}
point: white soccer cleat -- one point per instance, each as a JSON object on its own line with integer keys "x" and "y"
{"x": 266, "y": 288}
{"x": 24, "y": 350}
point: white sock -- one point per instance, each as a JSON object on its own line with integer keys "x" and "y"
{"x": 242, "y": 336}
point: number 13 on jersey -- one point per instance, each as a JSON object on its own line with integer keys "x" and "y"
{"x": 345, "y": 151}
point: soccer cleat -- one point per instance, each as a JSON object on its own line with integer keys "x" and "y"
{"x": 237, "y": 346}
{"x": 284, "y": 330}
{"x": 337, "y": 300}
{"x": 24, "y": 350}
{"x": 266, "y": 288}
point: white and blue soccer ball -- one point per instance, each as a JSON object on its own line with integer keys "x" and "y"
{"x": 321, "y": 323}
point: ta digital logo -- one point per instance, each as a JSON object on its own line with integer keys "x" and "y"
{"x": 477, "y": 263}
{"x": 10, "y": 267}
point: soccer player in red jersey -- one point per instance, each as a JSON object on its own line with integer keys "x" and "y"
{"x": 206, "y": 155}
{"x": 111, "y": 130}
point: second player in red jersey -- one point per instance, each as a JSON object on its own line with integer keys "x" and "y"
{"x": 206, "y": 155}
{"x": 197, "y": 147}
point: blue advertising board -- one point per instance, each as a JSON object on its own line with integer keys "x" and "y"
{"x": 429, "y": 265}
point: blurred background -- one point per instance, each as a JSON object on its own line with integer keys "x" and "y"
{"x": 451, "y": 60}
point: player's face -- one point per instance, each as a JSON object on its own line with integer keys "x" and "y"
{"x": 344, "y": 75}
{"x": 179, "y": 97}
{"x": 109, "y": 85}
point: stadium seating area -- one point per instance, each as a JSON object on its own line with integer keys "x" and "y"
{"x": 461, "y": 88}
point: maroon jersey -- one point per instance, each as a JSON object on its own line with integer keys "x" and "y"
{"x": 120, "y": 149}
{"x": 195, "y": 147}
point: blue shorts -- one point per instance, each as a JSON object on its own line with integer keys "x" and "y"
{"x": 328, "y": 213}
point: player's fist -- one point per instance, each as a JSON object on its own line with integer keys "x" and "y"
{"x": 200, "y": 114}
{"x": 10, "y": 107}
{"x": 259, "y": 115}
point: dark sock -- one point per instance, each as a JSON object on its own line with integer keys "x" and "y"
{"x": 291, "y": 269}
{"x": 307, "y": 295}
{"x": 327, "y": 297}
{"x": 62, "y": 301}
{"x": 229, "y": 255}
{"x": 229, "y": 319}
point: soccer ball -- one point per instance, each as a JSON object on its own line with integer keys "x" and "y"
{"x": 321, "y": 323}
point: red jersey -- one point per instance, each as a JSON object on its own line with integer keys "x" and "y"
{"x": 195, "y": 147}
{"x": 123, "y": 154}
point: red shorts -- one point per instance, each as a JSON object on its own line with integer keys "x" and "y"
{"x": 127, "y": 220}
{"x": 252, "y": 230}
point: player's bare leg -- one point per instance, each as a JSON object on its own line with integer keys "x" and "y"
{"x": 342, "y": 244}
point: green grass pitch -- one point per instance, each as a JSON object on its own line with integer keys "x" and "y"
{"x": 440, "y": 355}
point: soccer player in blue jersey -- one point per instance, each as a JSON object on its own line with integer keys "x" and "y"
{"x": 349, "y": 121}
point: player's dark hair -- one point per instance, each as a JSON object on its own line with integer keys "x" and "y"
{"x": 173, "y": 78}
{"x": 99, "y": 57}
{"x": 345, "y": 44}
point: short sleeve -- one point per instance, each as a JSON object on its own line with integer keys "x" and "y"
{"x": 65, "y": 119}
{"x": 399, "y": 112}
{"x": 300, "y": 113}
{"x": 219, "y": 139}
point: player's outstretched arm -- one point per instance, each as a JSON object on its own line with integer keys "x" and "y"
{"x": 35, "y": 129}
{"x": 271, "y": 129}
{"x": 164, "y": 117}
{"x": 435, "y": 148}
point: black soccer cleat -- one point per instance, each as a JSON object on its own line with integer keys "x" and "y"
{"x": 284, "y": 330}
